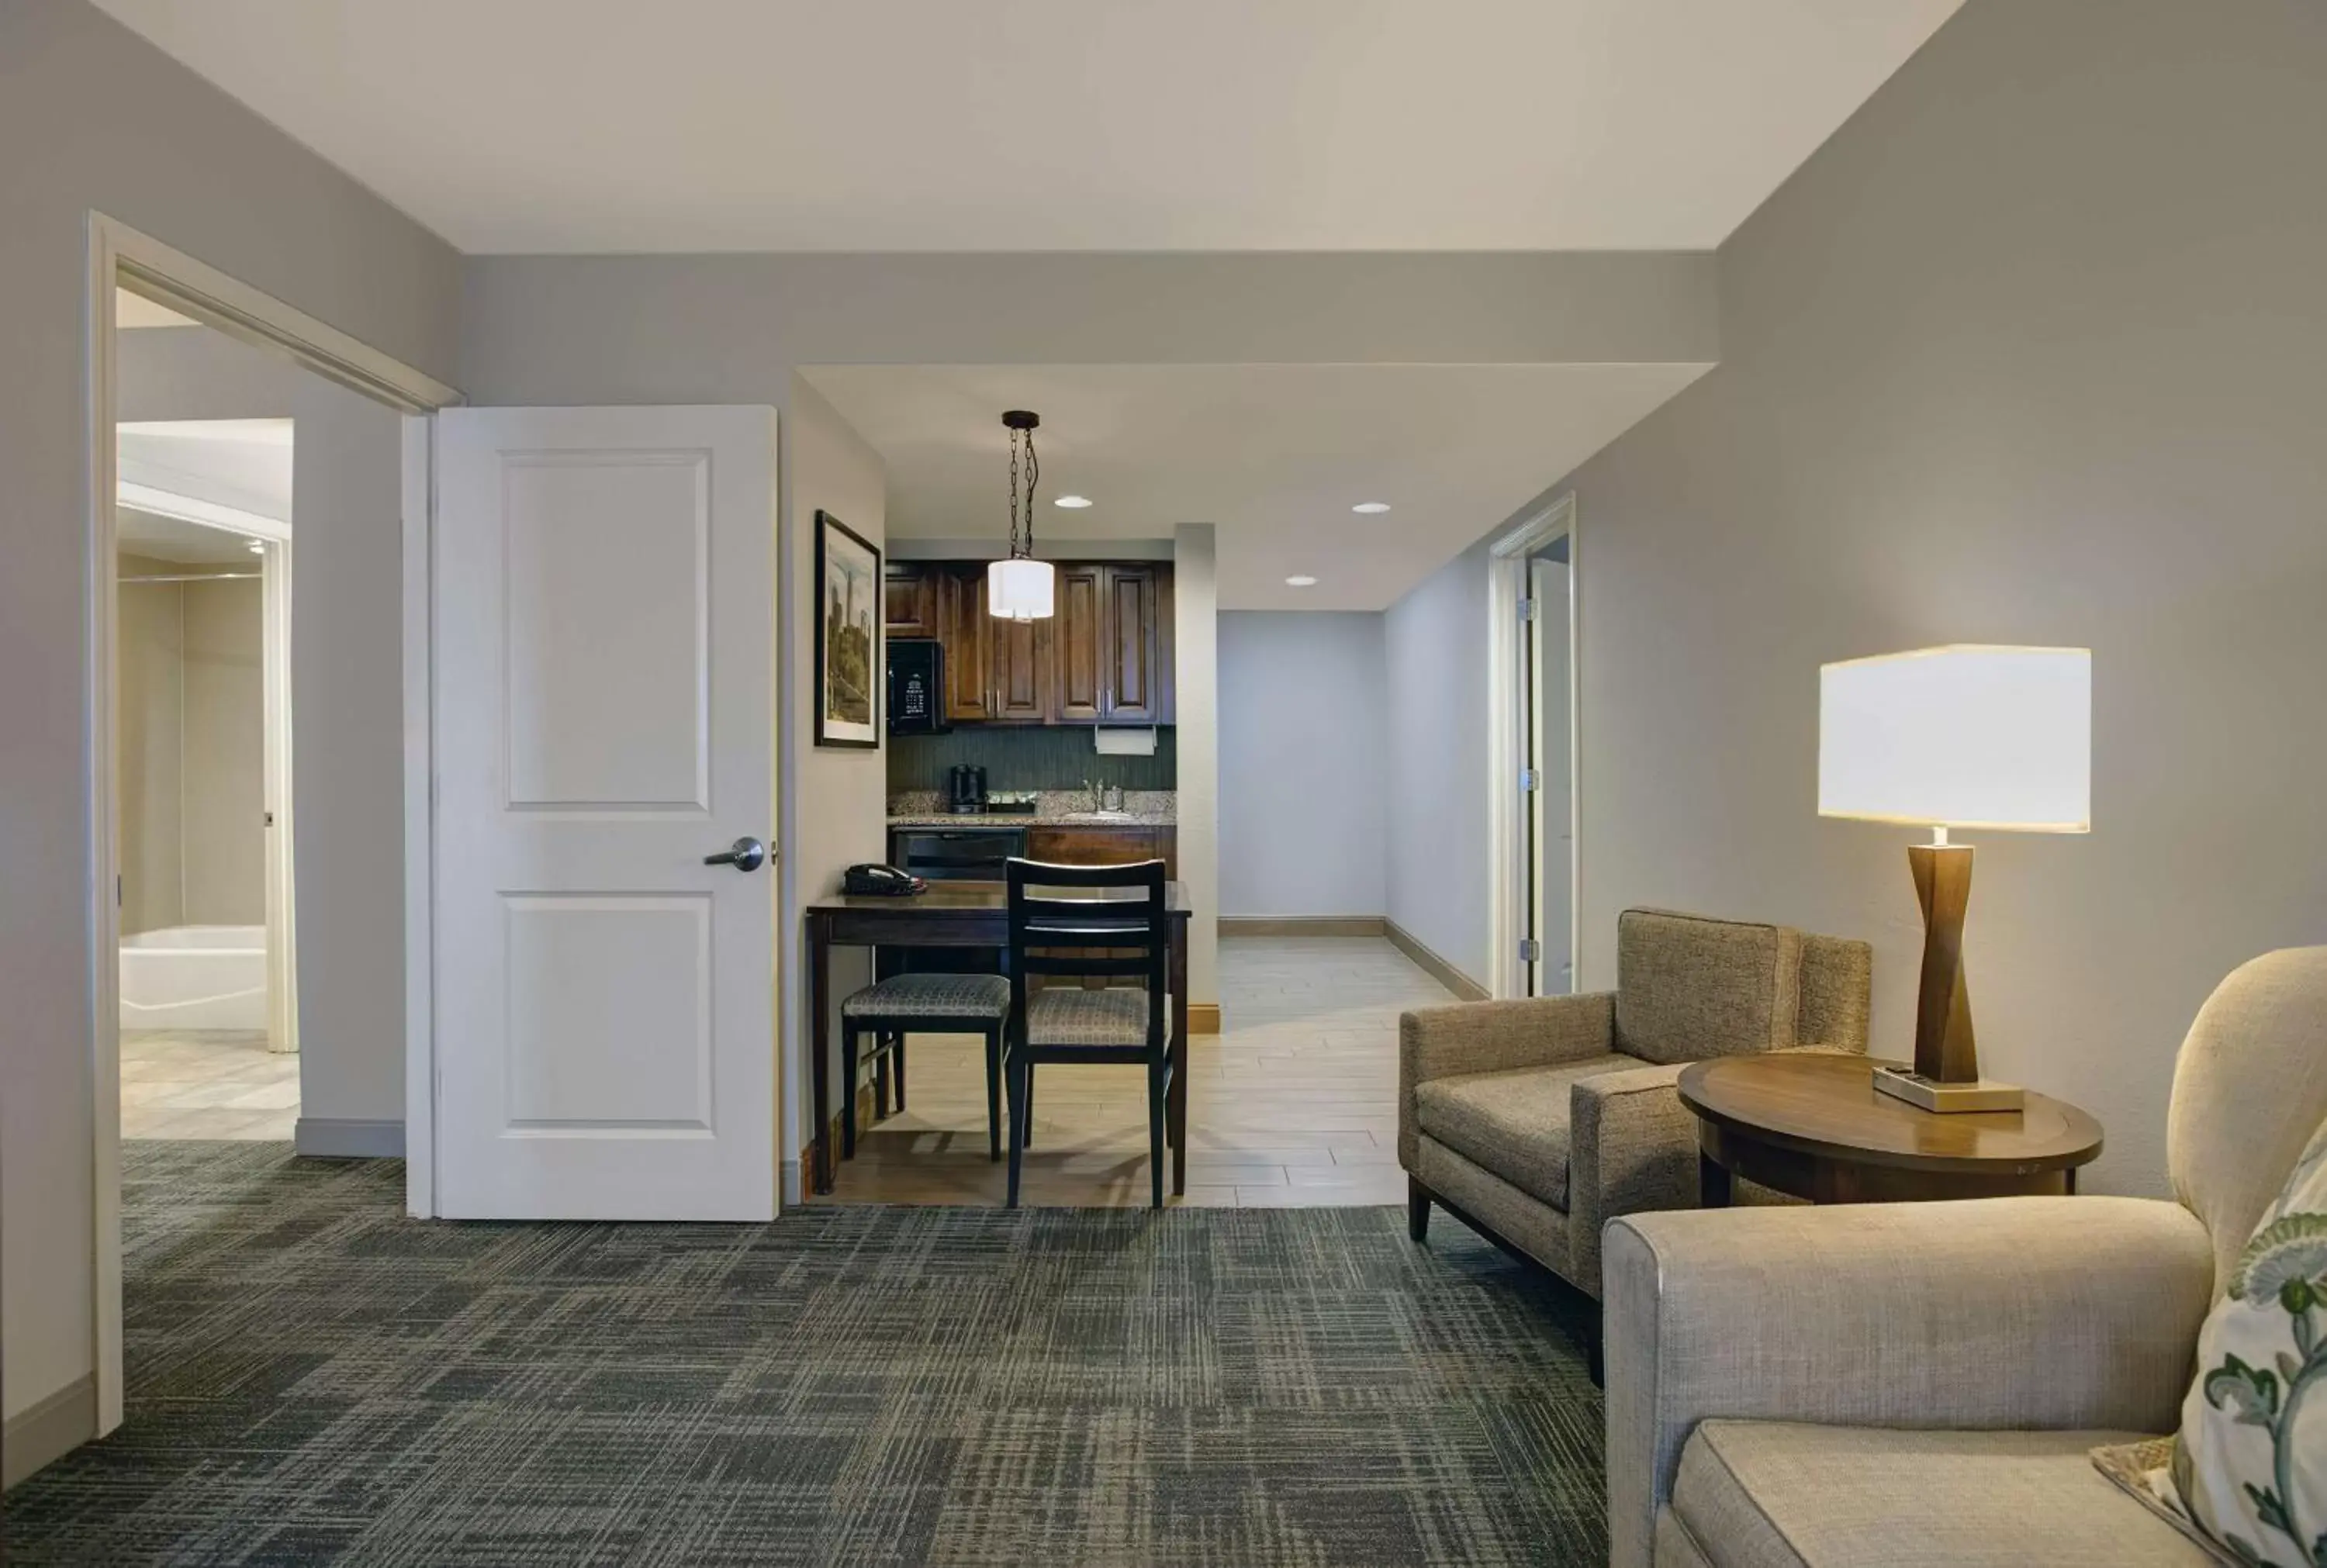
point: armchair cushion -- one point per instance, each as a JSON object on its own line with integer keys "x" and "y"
{"x": 1513, "y": 1122}
{"x": 2039, "y": 1312}
{"x": 1687, "y": 988}
{"x": 1759, "y": 1494}
{"x": 1475, "y": 1037}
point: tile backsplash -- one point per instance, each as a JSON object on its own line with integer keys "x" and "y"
{"x": 1032, "y": 758}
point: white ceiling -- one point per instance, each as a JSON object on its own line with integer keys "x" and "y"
{"x": 132, "y": 311}
{"x": 240, "y": 465}
{"x": 1273, "y": 455}
{"x": 611, "y": 126}
{"x": 166, "y": 538}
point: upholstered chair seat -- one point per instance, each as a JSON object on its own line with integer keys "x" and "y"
{"x": 1539, "y": 1121}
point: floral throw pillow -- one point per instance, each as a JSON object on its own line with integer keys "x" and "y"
{"x": 2249, "y": 1465}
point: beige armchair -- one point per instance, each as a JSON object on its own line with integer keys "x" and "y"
{"x": 1535, "y": 1122}
{"x": 1921, "y": 1383}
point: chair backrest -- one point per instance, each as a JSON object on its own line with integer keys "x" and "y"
{"x": 1122, "y": 933}
{"x": 2249, "y": 1088}
{"x": 1688, "y": 988}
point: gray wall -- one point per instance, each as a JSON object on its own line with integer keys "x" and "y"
{"x": 1436, "y": 646}
{"x": 93, "y": 118}
{"x": 1304, "y": 750}
{"x": 2029, "y": 352}
{"x": 834, "y": 800}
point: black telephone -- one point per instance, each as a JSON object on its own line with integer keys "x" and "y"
{"x": 885, "y": 880}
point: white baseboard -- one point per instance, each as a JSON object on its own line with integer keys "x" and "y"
{"x": 789, "y": 1188}
{"x": 43, "y": 1433}
{"x": 1436, "y": 967}
{"x": 1301, "y": 925}
{"x": 346, "y": 1138}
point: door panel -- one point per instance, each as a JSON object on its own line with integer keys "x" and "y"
{"x": 1128, "y": 674}
{"x": 909, "y": 607}
{"x": 965, "y": 630}
{"x": 1023, "y": 676}
{"x": 604, "y": 620}
{"x": 606, "y": 583}
{"x": 1080, "y": 637}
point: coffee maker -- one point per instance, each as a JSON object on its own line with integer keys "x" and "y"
{"x": 965, "y": 789}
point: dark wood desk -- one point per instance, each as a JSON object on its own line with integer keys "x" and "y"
{"x": 1814, "y": 1125}
{"x": 956, "y": 914}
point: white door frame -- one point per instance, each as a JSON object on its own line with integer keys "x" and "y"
{"x": 1508, "y": 915}
{"x": 119, "y": 256}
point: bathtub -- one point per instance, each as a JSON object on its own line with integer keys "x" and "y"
{"x": 194, "y": 977}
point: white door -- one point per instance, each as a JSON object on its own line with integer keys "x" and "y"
{"x": 1552, "y": 845}
{"x": 604, "y": 637}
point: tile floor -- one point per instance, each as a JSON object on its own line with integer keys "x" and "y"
{"x": 206, "y": 1084}
{"x": 1296, "y": 1105}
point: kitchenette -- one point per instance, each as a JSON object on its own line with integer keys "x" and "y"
{"x": 1049, "y": 739}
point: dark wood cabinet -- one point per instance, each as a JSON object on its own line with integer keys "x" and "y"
{"x": 1080, "y": 844}
{"x": 909, "y": 600}
{"x": 1020, "y": 656}
{"x": 962, "y": 628}
{"x": 1080, "y": 612}
{"x": 1103, "y": 656}
{"x": 1130, "y": 650}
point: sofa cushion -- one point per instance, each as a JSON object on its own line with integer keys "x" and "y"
{"x": 1687, "y": 988}
{"x": 1512, "y": 1122}
{"x": 1762, "y": 1494}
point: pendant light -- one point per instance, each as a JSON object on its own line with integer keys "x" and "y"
{"x": 1019, "y": 588}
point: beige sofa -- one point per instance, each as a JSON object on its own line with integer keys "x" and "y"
{"x": 1915, "y": 1385}
{"x": 1535, "y": 1122}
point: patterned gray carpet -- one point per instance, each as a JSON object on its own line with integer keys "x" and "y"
{"x": 314, "y": 1378}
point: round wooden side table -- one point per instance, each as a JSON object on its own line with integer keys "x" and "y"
{"x": 1813, "y": 1124}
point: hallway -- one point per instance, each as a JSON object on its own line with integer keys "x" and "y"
{"x": 1294, "y": 1107}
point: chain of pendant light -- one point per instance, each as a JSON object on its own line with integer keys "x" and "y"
{"x": 1034, "y": 476}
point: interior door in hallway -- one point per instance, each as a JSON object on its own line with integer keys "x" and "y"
{"x": 604, "y": 640}
{"x": 1550, "y": 837}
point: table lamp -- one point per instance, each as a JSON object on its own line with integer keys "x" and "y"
{"x": 1964, "y": 736}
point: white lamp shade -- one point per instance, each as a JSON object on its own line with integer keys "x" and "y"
{"x": 1019, "y": 589}
{"x": 1959, "y": 737}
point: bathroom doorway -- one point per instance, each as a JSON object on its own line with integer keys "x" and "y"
{"x": 207, "y": 1013}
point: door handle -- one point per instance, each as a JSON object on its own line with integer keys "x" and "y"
{"x": 743, "y": 855}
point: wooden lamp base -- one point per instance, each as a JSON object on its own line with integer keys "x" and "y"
{"x": 1946, "y": 1077}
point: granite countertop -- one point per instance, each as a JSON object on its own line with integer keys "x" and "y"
{"x": 1053, "y": 808}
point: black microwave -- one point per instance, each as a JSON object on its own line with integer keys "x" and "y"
{"x": 916, "y": 685}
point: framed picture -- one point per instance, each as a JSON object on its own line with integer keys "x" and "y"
{"x": 847, "y": 637}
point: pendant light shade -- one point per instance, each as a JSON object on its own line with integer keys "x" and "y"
{"x": 1021, "y": 588}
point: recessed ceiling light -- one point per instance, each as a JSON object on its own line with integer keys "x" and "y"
{"x": 1303, "y": 581}
{"x": 1073, "y": 503}
{"x": 1369, "y": 507}
{"x": 257, "y": 548}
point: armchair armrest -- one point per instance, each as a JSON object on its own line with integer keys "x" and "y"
{"x": 1997, "y": 1313}
{"x": 1435, "y": 1042}
{"x": 1632, "y": 1148}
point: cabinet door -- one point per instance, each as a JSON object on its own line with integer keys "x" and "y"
{"x": 1079, "y": 636}
{"x": 909, "y": 600}
{"x": 1127, "y": 665}
{"x": 964, "y": 628}
{"x": 1091, "y": 846}
{"x": 1022, "y": 670}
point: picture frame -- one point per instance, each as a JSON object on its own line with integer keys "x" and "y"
{"x": 848, "y": 651}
